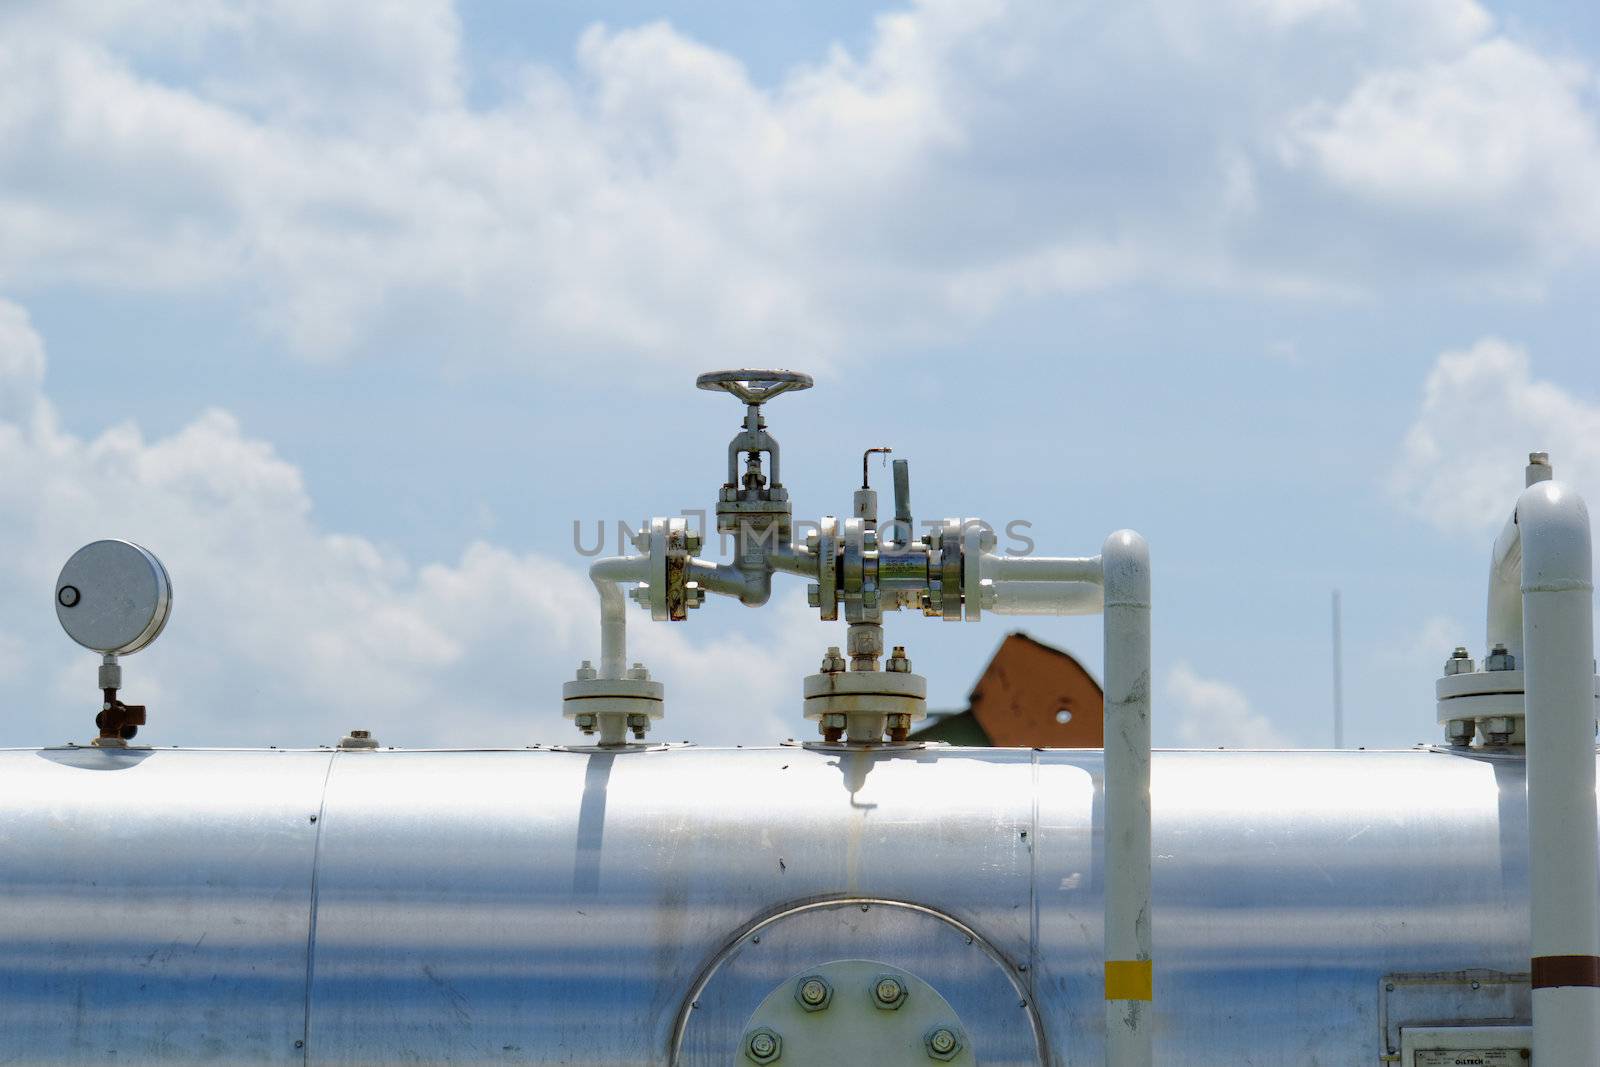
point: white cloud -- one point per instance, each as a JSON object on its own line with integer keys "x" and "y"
{"x": 284, "y": 633}
{"x": 327, "y": 161}
{"x": 1499, "y": 141}
{"x": 1482, "y": 413}
{"x": 1210, "y": 713}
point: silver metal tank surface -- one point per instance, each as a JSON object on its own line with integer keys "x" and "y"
{"x": 580, "y": 907}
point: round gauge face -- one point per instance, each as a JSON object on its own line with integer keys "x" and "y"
{"x": 113, "y": 596}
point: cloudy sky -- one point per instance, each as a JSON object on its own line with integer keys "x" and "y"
{"x": 350, "y": 311}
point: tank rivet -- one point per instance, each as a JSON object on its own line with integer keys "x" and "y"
{"x": 813, "y": 992}
{"x": 763, "y": 1045}
{"x": 887, "y": 992}
{"x": 942, "y": 1043}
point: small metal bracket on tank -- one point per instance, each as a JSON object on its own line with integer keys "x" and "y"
{"x": 1471, "y": 998}
{"x": 114, "y": 597}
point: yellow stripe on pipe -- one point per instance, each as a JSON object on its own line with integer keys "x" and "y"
{"x": 1130, "y": 980}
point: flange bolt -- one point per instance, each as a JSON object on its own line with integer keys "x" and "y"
{"x": 1499, "y": 659}
{"x": 888, "y": 992}
{"x": 813, "y": 992}
{"x": 763, "y": 1045}
{"x": 1460, "y": 662}
{"x": 942, "y": 1043}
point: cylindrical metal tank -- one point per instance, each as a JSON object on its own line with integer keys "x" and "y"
{"x": 646, "y": 907}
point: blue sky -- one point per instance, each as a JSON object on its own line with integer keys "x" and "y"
{"x": 349, "y": 313}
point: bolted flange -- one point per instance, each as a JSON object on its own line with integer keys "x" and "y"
{"x": 612, "y": 706}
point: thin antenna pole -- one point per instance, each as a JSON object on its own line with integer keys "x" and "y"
{"x": 1338, "y": 674}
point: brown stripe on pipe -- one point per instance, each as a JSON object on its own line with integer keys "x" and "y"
{"x": 1550, "y": 972}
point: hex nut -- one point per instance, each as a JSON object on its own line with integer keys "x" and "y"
{"x": 1499, "y": 659}
{"x": 942, "y": 1043}
{"x": 813, "y": 992}
{"x": 763, "y": 1045}
{"x": 888, "y": 992}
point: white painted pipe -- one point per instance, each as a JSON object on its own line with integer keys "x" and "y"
{"x": 1505, "y": 572}
{"x": 997, "y": 568}
{"x": 1129, "y": 976}
{"x": 607, "y": 575}
{"x": 1558, "y": 675}
{"x": 1046, "y": 598}
{"x": 1505, "y": 592}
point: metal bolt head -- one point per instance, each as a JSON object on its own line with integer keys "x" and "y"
{"x": 813, "y": 992}
{"x": 585, "y": 672}
{"x": 1460, "y": 662}
{"x": 763, "y": 1045}
{"x": 1460, "y": 731}
{"x": 638, "y": 673}
{"x": 1499, "y": 659}
{"x": 1499, "y": 729}
{"x": 584, "y": 722}
{"x": 942, "y": 1042}
{"x": 888, "y": 992}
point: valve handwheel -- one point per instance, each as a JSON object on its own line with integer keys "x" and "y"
{"x": 754, "y": 386}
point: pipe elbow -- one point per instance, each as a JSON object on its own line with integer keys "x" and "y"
{"x": 1125, "y": 561}
{"x": 1554, "y": 526}
{"x": 614, "y": 569}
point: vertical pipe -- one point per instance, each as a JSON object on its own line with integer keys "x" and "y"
{"x": 1558, "y": 680}
{"x": 606, "y": 574}
{"x": 1129, "y": 976}
{"x": 1338, "y": 674}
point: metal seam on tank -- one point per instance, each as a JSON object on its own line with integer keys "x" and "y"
{"x": 680, "y": 1025}
{"x": 1033, "y": 881}
{"x": 311, "y": 918}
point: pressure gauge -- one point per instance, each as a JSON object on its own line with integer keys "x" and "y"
{"x": 113, "y": 597}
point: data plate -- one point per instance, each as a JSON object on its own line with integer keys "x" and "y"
{"x": 1466, "y": 1046}
{"x": 1475, "y": 1057}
